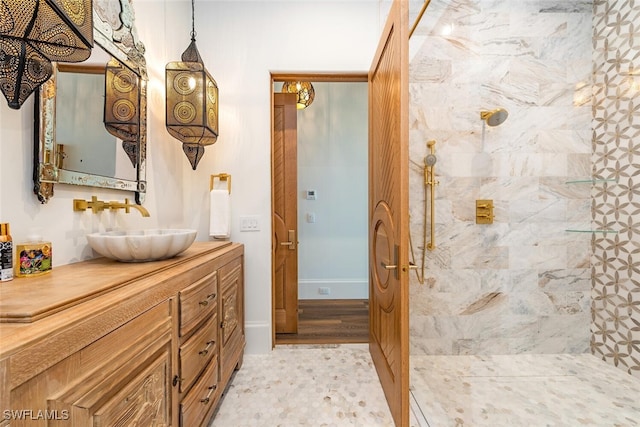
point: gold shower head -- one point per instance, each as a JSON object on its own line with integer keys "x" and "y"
{"x": 495, "y": 117}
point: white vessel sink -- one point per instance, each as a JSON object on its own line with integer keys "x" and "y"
{"x": 141, "y": 245}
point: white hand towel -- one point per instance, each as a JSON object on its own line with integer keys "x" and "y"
{"x": 220, "y": 214}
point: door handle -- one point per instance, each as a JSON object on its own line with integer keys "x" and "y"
{"x": 292, "y": 240}
{"x": 389, "y": 266}
{"x": 394, "y": 266}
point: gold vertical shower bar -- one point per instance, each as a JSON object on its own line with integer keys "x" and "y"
{"x": 430, "y": 180}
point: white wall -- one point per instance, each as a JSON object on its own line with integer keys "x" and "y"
{"x": 333, "y": 161}
{"x": 241, "y": 42}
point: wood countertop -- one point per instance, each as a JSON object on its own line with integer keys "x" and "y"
{"x": 25, "y": 300}
{"x": 57, "y": 308}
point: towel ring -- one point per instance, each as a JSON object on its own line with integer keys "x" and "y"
{"x": 221, "y": 177}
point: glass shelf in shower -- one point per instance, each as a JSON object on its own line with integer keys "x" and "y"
{"x": 591, "y": 231}
{"x": 591, "y": 181}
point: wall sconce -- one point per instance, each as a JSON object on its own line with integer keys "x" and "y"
{"x": 303, "y": 90}
{"x": 192, "y": 101}
{"x": 121, "y": 113}
{"x": 35, "y": 32}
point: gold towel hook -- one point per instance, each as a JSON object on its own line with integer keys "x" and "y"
{"x": 221, "y": 177}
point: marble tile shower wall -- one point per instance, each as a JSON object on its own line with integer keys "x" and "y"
{"x": 521, "y": 284}
{"x": 616, "y": 205}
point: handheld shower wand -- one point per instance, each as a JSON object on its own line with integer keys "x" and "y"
{"x": 429, "y": 181}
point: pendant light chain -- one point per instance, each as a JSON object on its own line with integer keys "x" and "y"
{"x": 193, "y": 21}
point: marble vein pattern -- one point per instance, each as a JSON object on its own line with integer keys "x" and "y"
{"x": 524, "y": 390}
{"x": 523, "y": 283}
{"x": 328, "y": 385}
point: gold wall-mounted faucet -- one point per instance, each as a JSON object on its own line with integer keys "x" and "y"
{"x": 98, "y": 206}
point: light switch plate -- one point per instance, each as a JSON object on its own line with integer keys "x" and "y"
{"x": 249, "y": 223}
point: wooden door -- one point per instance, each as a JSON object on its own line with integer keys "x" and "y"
{"x": 389, "y": 212}
{"x": 285, "y": 213}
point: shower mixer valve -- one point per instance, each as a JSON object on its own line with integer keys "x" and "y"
{"x": 484, "y": 211}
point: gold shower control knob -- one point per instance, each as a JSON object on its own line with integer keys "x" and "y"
{"x": 484, "y": 212}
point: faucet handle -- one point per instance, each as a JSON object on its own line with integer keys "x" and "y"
{"x": 127, "y": 205}
{"x": 96, "y": 205}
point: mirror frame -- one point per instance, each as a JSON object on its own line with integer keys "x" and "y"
{"x": 118, "y": 37}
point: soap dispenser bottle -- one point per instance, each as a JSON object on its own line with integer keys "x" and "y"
{"x": 6, "y": 253}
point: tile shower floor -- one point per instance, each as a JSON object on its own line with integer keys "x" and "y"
{"x": 336, "y": 385}
{"x": 524, "y": 390}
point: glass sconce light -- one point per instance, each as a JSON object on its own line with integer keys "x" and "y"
{"x": 192, "y": 102}
{"x": 35, "y": 32}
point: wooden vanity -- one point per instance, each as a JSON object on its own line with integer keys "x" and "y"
{"x": 103, "y": 343}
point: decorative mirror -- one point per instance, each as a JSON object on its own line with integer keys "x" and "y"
{"x": 91, "y": 118}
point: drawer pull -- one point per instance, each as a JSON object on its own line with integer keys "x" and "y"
{"x": 177, "y": 380}
{"x": 206, "y": 399}
{"x": 205, "y": 302}
{"x": 206, "y": 349}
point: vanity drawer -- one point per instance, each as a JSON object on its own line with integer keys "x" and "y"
{"x": 231, "y": 303}
{"x": 197, "y": 302}
{"x": 197, "y": 351}
{"x": 201, "y": 398}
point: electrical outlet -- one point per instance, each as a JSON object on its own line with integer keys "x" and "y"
{"x": 324, "y": 291}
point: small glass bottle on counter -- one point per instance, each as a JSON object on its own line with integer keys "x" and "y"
{"x": 6, "y": 253}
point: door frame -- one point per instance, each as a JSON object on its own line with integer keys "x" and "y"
{"x": 336, "y": 77}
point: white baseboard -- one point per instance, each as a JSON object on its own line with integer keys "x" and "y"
{"x": 258, "y": 336}
{"x": 338, "y": 289}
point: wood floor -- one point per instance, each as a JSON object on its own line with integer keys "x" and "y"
{"x": 330, "y": 322}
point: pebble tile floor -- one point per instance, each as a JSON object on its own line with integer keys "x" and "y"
{"x": 320, "y": 385}
{"x": 336, "y": 385}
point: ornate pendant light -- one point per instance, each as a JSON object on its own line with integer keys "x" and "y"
{"x": 303, "y": 90}
{"x": 35, "y": 32}
{"x": 121, "y": 114}
{"x": 192, "y": 101}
